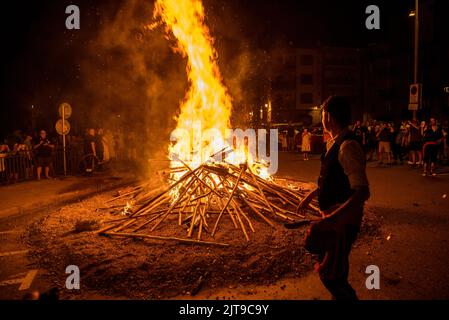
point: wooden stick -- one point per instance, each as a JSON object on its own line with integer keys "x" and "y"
{"x": 230, "y": 195}
{"x": 147, "y": 222}
{"x": 228, "y": 201}
{"x": 135, "y": 189}
{"x": 200, "y": 228}
{"x": 198, "y": 178}
{"x": 139, "y": 235}
{"x": 233, "y": 190}
{"x": 238, "y": 209}
{"x": 189, "y": 198}
{"x": 192, "y": 224}
{"x": 258, "y": 212}
{"x": 261, "y": 191}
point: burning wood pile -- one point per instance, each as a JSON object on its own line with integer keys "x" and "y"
{"x": 201, "y": 198}
{"x": 204, "y": 193}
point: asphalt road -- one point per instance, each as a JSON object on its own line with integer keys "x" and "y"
{"x": 412, "y": 254}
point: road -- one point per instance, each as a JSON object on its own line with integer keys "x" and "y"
{"x": 412, "y": 254}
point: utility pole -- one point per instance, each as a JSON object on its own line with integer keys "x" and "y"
{"x": 415, "y": 64}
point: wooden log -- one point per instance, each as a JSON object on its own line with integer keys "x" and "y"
{"x": 198, "y": 178}
{"x": 258, "y": 212}
{"x": 189, "y": 198}
{"x": 147, "y": 223}
{"x": 228, "y": 201}
{"x": 200, "y": 229}
{"x": 123, "y": 195}
{"x": 258, "y": 187}
{"x": 180, "y": 197}
{"x": 230, "y": 198}
{"x": 192, "y": 223}
{"x": 240, "y": 211}
{"x": 190, "y": 241}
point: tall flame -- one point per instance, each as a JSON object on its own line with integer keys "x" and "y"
{"x": 206, "y": 109}
{"x": 207, "y": 105}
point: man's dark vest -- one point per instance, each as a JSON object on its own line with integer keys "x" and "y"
{"x": 333, "y": 184}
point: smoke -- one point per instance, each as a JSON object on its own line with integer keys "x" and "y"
{"x": 132, "y": 80}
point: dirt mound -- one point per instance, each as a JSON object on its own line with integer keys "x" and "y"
{"x": 154, "y": 269}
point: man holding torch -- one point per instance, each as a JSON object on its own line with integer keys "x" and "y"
{"x": 342, "y": 191}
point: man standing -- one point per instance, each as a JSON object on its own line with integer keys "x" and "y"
{"x": 342, "y": 191}
{"x": 433, "y": 137}
{"x": 43, "y": 149}
{"x": 291, "y": 137}
{"x": 90, "y": 150}
{"x": 360, "y": 133}
{"x": 415, "y": 143}
{"x": 384, "y": 143}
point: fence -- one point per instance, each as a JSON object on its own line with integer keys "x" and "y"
{"x": 21, "y": 166}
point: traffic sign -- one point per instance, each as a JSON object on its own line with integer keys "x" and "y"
{"x": 59, "y": 126}
{"x": 415, "y": 94}
{"x": 65, "y": 109}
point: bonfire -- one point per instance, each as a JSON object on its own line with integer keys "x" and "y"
{"x": 211, "y": 178}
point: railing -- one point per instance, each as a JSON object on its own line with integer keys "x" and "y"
{"x": 16, "y": 167}
{"x": 21, "y": 166}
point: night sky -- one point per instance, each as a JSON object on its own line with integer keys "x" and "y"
{"x": 41, "y": 62}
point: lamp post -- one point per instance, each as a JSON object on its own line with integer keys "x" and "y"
{"x": 415, "y": 14}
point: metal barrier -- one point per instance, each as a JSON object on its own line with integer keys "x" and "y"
{"x": 21, "y": 166}
{"x": 16, "y": 167}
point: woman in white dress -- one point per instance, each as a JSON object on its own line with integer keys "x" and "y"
{"x": 305, "y": 145}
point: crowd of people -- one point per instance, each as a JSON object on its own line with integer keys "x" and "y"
{"x": 295, "y": 139}
{"x": 422, "y": 144}
{"x": 33, "y": 154}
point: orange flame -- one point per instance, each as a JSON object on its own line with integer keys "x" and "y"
{"x": 207, "y": 103}
{"x": 206, "y": 109}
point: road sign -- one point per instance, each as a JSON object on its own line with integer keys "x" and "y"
{"x": 415, "y": 94}
{"x": 59, "y": 126}
{"x": 65, "y": 110}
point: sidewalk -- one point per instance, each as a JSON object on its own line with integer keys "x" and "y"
{"x": 28, "y": 196}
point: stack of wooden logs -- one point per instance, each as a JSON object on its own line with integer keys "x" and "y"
{"x": 201, "y": 198}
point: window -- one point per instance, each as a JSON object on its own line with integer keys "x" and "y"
{"x": 306, "y": 97}
{"x": 306, "y": 78}
{"x": 306, "y": 59}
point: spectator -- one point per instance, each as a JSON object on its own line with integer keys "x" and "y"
{"x": 360, "y": 133}
{"x": 415, "y": 143}
{"x": 305, "y": 145}
{"x": 446, "y": 141}
{"x": 4, "y": 150}
{"x": 384, "y": 143}
{"x": 90, "y": 150}
{"x": 43, "y": 149}
{"x": 399, "y": 141}
{"x": 298, "y": 141}
{"x": 432, "y": 139}
{"x": 291, "y": 137}
{"x": 99, "y": 146}
{"x": 284, "y": 144}
{"x": 371, "y": 144}
{"x": 108, "y": 143}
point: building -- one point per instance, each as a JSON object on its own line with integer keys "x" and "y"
{"x": 301, "y": 78}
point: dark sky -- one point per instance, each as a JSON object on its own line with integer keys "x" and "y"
{"x": 42, "y": 59}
